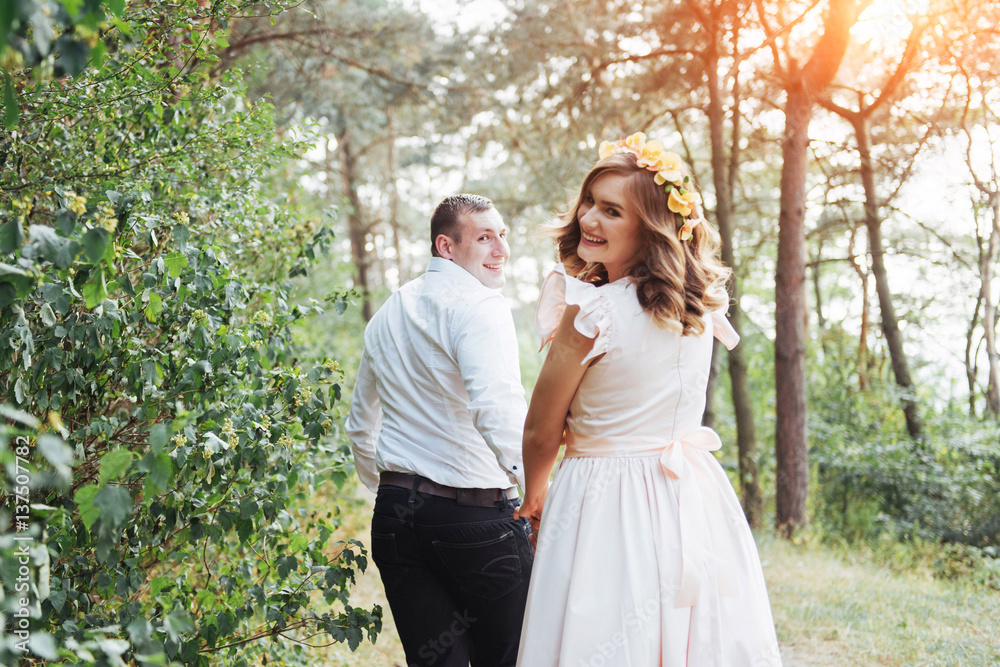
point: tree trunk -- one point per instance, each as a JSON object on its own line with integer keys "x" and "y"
{"x": 971, "y": 369}
{"x": 356, "y": 228}
{"x": 723, "y": 177}
{"x": 791, "y": 435}
{"x": 708, "y": 419}
{"x": 890, "y": 323}
{"x": 818, "y": 287}
{"x": 863, "y": 357}
{"x": 401, "y": 267}
{"x": 989, "y": 310}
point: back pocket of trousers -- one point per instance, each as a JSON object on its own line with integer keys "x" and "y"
{"x": 489, "y": 569}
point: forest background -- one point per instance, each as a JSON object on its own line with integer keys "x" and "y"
{"x": 203, "y": 201}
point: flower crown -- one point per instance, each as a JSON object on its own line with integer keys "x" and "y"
{"x": 669, "y": 172}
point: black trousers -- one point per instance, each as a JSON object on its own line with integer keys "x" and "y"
{"x": 456, "y": 577}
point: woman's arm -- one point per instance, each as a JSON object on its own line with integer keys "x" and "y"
{"x": 558, "y": 380}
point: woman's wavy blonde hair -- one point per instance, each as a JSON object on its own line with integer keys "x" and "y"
{"x": 677, "y": 282}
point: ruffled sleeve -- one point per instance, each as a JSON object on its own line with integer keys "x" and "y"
{"x": 594, "y": 319}
{"x": 723, "y": 330}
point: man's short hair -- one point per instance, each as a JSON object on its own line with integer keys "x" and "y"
{"x": 447, "y": 214}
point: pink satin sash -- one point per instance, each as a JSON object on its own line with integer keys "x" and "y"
{"x": 698, "y": 496}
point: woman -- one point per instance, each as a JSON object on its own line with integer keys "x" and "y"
{"x": 644, "y": 556}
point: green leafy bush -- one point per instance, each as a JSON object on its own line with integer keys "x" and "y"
{"x": 872, "y": 479}
{"x": 146, "y": 341}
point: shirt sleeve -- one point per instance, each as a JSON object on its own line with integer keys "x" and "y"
{"x": 363, "y": 424}
{"x": 486, "y": 351}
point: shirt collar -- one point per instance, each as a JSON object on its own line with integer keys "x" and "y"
{"x": 450, "y": 268}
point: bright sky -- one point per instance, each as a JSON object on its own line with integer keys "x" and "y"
{"x": 465, "y": 15}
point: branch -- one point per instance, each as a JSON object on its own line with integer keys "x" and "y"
{"x": 905, "y": 63}
{"x": 829, "y": 52}
{"x": 236, "y": 48}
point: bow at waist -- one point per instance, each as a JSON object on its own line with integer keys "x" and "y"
{"x": 698, "y": 496}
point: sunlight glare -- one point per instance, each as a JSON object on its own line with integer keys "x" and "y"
{"x": 887, "y": 22}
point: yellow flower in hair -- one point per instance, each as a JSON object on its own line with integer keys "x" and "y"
{"x": 670, "y": 169}
{"x": 635, "y": 142}
{"x": 651, "y": 156}
{"x": 683, "y": 203}
{"x": 687, "y": 229}
{"x": 607, "y": 148}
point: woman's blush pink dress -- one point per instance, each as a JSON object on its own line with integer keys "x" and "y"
{"x": 644, "y": 555}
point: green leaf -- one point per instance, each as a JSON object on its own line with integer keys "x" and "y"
{"x": 84, "y": 499}
{"x": 176, "y": 263}
{"x": 48, "y": 317}
{"x": 8, "y": 295}
{"x": 154, "y": 307}
{"x": 14, "y": 414}
{"x": 140, "y": 630}
{"x": 126, "y": 284}
{"x": 116, "y": 7}
{"x": 10, "y": 108}
{"x": 9, "y": 270}
{"x": 160, "y": 471}
{"x": 95, "y": 243}
{"x": 178, "y": 623}
{"x": 72, "y": 7}
{"x": 158, "y": 584}
{"x": 72, "y": 55}
{"x": 227, "y": 623}
{"x": 181, "y": 235}
{"x": 6, "y": 21}
{"x": 65, "y": 222}
{"x": 57, "y": 599}
{"x": 11, "y": 236}
{"x": 114, "y": 504}
{"x": 97, "y": 55}
{"x": 57, "y": 453}
{"x": 43, "y": 645}
{"x": 159, "y": 436}
{"x": 96, "y": 290}
{"x": 114, "y": 464}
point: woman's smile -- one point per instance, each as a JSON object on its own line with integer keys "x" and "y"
{"x": 590, "y": 239}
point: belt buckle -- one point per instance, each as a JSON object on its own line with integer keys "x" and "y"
{"x": 475, "y": 497}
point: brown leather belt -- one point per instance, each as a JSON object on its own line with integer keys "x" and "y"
{"x": 465, "y": 497}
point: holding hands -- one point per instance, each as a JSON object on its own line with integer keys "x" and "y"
{"x": 531, "y": 509}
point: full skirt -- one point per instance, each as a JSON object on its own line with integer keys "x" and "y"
{"x": 608, "y": 571}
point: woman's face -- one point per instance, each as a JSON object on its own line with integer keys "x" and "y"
{"x": 610, "y": 227}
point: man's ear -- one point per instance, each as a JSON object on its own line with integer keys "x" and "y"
{"x": 444, "y": 245}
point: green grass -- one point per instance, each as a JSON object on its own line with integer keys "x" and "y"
{"x": 833, "y": 607}
{"x": 844, "y": 608}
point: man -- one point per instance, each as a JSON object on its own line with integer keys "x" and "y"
{"x": 439, "y": 388}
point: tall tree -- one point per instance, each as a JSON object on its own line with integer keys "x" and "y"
{"x": 722, "y": 21}
{"x": 801, "y": 84}
{"x": 987, "y": 209}
{"x": 861, "y": 122}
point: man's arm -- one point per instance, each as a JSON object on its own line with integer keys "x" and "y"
{"x": 363, "y": 424}
{"x": 486, "y": 351}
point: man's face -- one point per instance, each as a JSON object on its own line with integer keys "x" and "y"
{"x": 483, "y": 250}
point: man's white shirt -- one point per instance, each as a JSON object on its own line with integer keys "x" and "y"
{"x": 439, "y": 389}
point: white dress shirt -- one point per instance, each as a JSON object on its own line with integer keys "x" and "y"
{"x": 439, "y": 392}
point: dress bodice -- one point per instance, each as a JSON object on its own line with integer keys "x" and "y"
{"x": 651, "y": 381}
